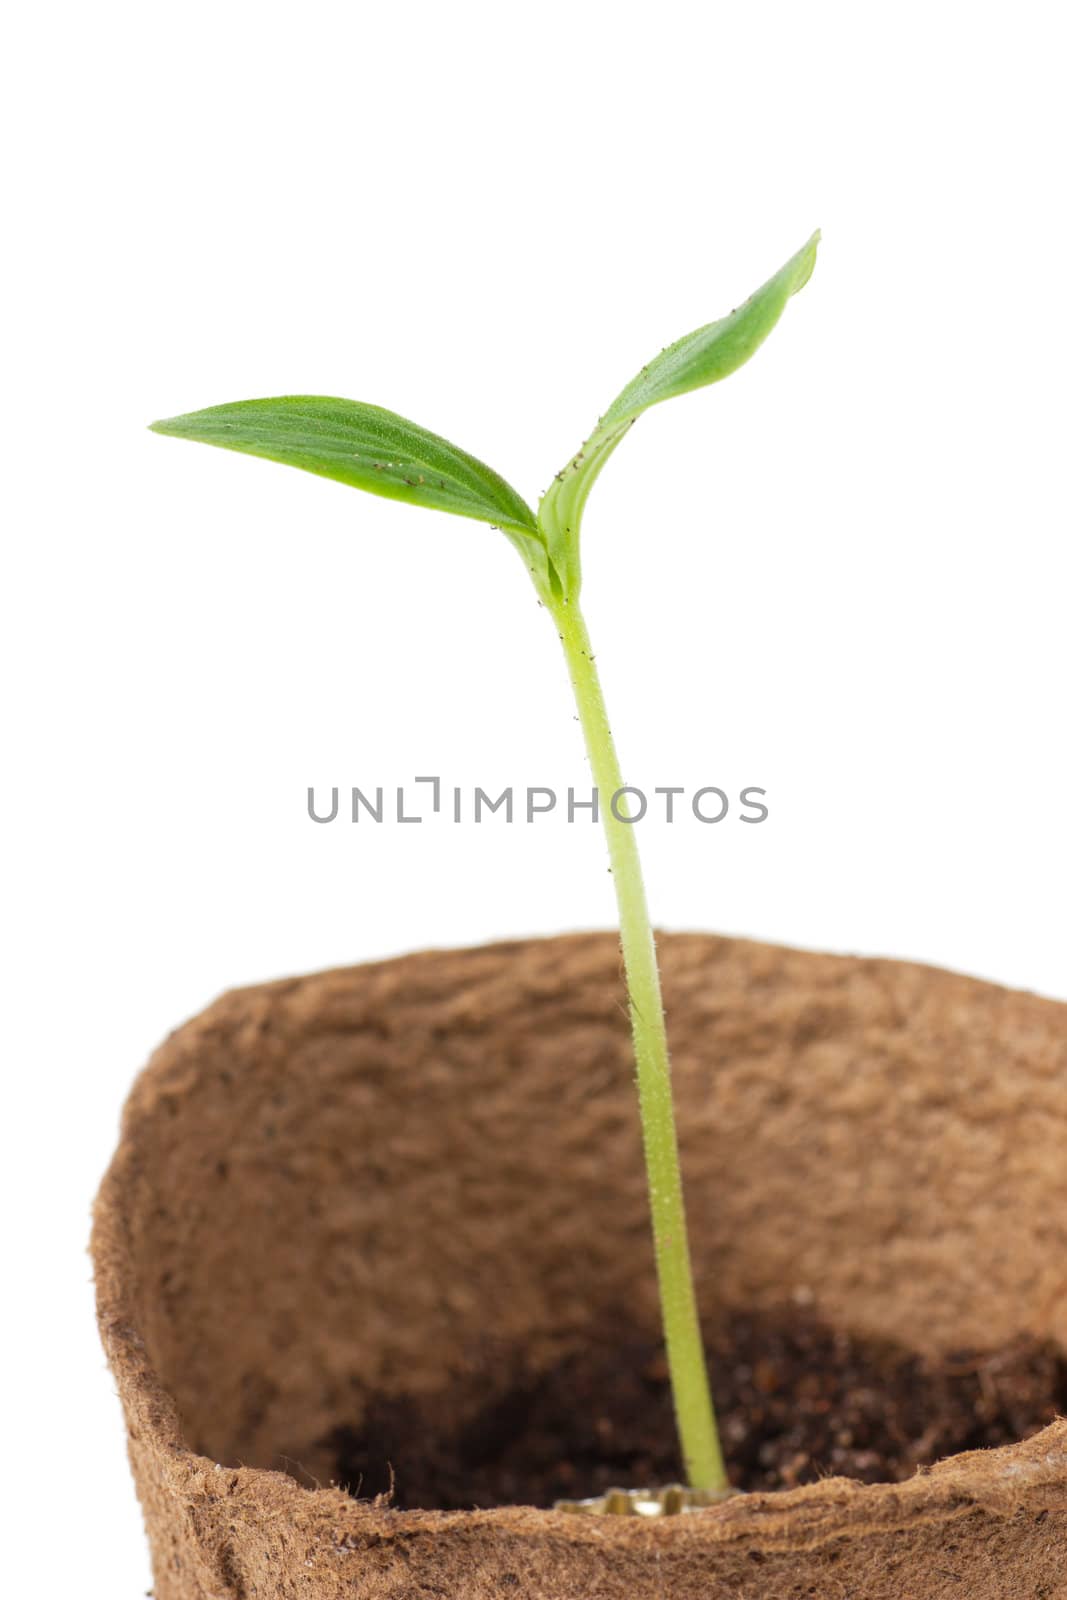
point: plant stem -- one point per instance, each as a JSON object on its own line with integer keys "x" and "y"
{"x": 693, "y": 1409}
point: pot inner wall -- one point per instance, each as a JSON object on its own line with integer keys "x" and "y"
{"x": 387, "y": 1180}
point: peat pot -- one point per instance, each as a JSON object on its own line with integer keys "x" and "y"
{"x": 397, "y": 1184}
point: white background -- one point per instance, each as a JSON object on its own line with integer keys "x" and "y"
{"x": 839, "y": 576}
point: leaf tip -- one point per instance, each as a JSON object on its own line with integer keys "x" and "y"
{"x": 804, "y": 261}
{"x": 164, "y": 425}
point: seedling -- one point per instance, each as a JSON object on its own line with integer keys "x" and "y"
{"x": 377, "y": 450}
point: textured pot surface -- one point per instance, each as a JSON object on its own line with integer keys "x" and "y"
{"x": 341, "y": 1184}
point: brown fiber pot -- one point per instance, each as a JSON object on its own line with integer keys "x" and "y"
{"x": 325, "y": 1184}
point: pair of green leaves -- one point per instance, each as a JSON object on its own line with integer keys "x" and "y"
{"x": 374, "y": 449}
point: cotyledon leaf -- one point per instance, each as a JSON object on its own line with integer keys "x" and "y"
{"x": 369, "y": 448}
{"x": 700, "y": 358}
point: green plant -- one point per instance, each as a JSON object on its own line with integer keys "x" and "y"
{"x": 373, "y": 449}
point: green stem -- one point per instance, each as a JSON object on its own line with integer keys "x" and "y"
{"x": 681, "y": 1325}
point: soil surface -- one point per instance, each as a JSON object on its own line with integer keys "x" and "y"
{"x": 796, "y": 1400}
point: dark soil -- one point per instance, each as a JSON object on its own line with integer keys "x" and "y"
{"x": 796, "y": 1402}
